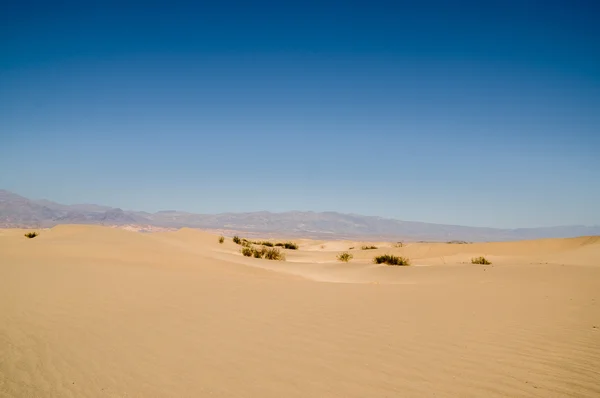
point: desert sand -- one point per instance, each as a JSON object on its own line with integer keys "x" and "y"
{"x": 89, "y": 311}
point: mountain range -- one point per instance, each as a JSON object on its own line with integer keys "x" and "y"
{"x": 19, "y": 212}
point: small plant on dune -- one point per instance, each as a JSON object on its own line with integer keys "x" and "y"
{"x": 457, "y": 242}
{"x": 221, "y": 239}
{"x": 246, "y": 243}
{"x": 31, "y": 235}
{"x": 263, "y": 252}
{"x": 352, "y": 248}
{"x": 368, "y": 247}
{"x": 279, "y": 244}
{"x": 237, "y": 240}
{"x": 398, "y": 244}
{"x": 391, "y": 260}
{"x": 345, "y": 257}
{"x": 274, "y": 254}
{"x": 480, "y": 260}
{"x": 290, "y": 245}
{"x": 266, "y": 243}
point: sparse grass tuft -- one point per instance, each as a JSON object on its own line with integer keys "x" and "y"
{"x": 391, "y": 260}
{"x": 247, "y": 251}
{"x": 221, "y": 239}
{"x": 345, "y": 257}
{"x": 279, "y": 244}
{"x": 352, "y": 248}
{"x": 264, "y": 243}
{"x": 31, "y": 235}
{"x": 457, "y": 242}
{"x": 398, "y": 244}
{"x": 480, "y": 260}
{"x": 368, "y": 247}
{"x": 237, "y": 240}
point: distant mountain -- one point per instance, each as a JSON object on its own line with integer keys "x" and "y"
{"x": 18, "y": 211}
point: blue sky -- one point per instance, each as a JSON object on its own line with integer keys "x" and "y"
{"x": 471, "y": 113}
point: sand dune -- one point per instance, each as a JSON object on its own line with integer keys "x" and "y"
{"x": 90, "y": 311}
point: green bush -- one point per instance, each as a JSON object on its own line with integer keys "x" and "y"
{"x": 480, "y": 260}
{"x": 274, "y": 254}
{"x": 345, "y": 257}
{"x": 290, "y": 245}
{"x": 31, "y": 235}
{"x": 221, "y": 239}
{"x": 237, "y": 240}
{"x": 263, "y": 252}
{"x": 368, "y": 247}
{"x": 391, "y": 260}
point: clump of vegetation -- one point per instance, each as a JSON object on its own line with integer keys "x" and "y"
{"x": 274, "y": 254}
{"x": 263, "y": 252}
{"x": 398, "y": 244}
{"x": 345, "y": 257}
{"x": 457, "y": 242}
{"x": 237, "y": 240}
{"x": 221, "y": 239}
{"x": 480, "y": 260}
{"x": 31, "y": 235}
{"x": 391, "y": 260}
{"x": 264, "y": 243}
{"x": 352, "y": 248}
{"x": 287, "y": 245}
{"x": 246, "y": 243}
{"x": 368, "y": 247}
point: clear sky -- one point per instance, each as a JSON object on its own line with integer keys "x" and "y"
{"x": 475, "y": 113}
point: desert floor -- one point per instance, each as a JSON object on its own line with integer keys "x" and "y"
{"x": 88, "y": 311}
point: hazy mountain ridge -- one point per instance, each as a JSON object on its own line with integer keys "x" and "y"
{"x": 18, "y": 211}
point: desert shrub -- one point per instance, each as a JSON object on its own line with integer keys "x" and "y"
{"x": 237, "y": 240}
{"x": 246, "y": 243}
{"x": 274, "y": 254}
{"x": 480, "y": 260}
{"x": 279, "y": 244}
{"x": 345, "y": 257}
{"x": 352, "y": 248}
{"x": 368, "y": 247}
{"x": 391, "y": 260}
{"x": 263, "y": 252}
{"x": 265, "y": 243}
{"x": 457, "y": 242}
{"x": 31, "y": 235}
{"x": 398, "y": 244}
{"x": 221, "y": 239}
{"x": 290, "y": 245}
